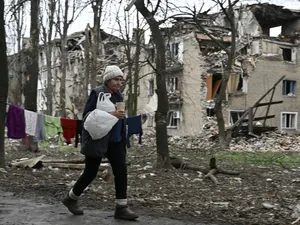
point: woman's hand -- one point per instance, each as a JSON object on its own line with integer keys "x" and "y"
{"x": 118, "y": 114}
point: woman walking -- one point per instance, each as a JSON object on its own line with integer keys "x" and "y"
{"x": 112, "y": 146}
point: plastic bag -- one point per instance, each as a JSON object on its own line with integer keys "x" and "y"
{"x": 104, "y": 103}
{"x": 98, "y": 123}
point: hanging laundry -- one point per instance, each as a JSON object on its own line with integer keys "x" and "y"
{"x": 52, "y": 126}
{"x": 69, "y": 128}
{"x": 134, "y": 124}
{"x": 40, "y": 128}
{"x": 15, "y": 122}
{"x": 78, "y": 132}
{"x": 30, "y": 122}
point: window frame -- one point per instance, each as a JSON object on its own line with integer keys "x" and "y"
{"x": 171, "y": 118}
{"x": 286, "y": 83}
{"x": 230, "y": 121}
{"x": 289, "y": 113}
{"x": 151, "y": 87}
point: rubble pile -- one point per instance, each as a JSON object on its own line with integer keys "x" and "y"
{"x": 270, "y": 141}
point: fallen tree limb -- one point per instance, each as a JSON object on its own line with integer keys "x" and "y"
{"x": 74, "y": 166}
{"x": 210, "y": 173}
{"x": 63, "y": 161}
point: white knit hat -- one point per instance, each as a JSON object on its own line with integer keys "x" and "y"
{"x": 112, "y": 72}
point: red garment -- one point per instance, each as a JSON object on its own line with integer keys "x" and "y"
{"x": 69, "y": 127}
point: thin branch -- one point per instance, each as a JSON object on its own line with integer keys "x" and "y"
{"x": 156, "y": 8}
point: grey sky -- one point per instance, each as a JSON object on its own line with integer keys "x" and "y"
{"x": 111, "y": 26}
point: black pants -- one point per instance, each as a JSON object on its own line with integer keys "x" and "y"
{"x": 116, "y": 155}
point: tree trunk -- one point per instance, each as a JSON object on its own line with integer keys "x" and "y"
{"x": 33, "y": 67}
{"x": 49, "y": 60}
{"x": 87, "y": 61}
{"x": 137, "y": 66}
{"x": 130, "y": 86}
{"x": 49, "y": 90}
{"x": 63, "y": 66}
{"x": 3, "y": 85}
{"x": 97, "y": 10}
{"x": 224, "y": 140}
{"x": 19, "y": 23}
{"x": 163, "y": 159}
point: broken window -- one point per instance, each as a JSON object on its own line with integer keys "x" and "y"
{"x": 151, "y": 87}
{"x": 172, "y": 84}
{"x": 173, "y": 119}
{"x": 287, "y": 54}
{"x": 289, "y": 120}
{"x": 210, "y": 112}
{"x": 174, "y": 50}
{"x": 275, "y": 31}
{"x": 289, "y": 88}
{"x": 213, "y": 84}
{"x": 235, "y": 116}
{"x": 244, "y": 50}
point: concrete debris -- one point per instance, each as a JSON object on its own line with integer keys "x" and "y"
{"x": 275, "y": 141}
{"x": 268, "y": 205}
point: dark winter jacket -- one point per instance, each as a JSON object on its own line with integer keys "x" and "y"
{"x": 98, "y": 148}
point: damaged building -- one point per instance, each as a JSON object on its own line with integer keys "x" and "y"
{"x": 196, "y": 67}
{"x": 111, "y": 52}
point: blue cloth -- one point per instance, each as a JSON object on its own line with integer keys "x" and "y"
{"x": 116, "y": 132}
{"x": 134, "y": 124}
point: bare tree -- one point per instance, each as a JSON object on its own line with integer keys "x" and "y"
{"x": 32, "y": 71}
{"x": 3, "y": 84}
{"x": 47, "y": 26}
{"x": 132, "y": 51}
{"x": 18, "y": 19}
{"x": 87, "y": 60}
{"x": 163, "y": 159}
{"x": 97, "y": 6}
{"x": 228, "y": 11}
{"x": 66, "y": 15}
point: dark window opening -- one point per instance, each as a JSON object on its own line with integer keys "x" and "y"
{"x": 240, "y": 85}
{"x": 244, "y": 51}
{"x": 172, "y": 84}
{"x": 151, "y": 87}
{"x": 235, "y": 116}
{"x": 217, "y": 80}
{"x": 175, "y": 50}
{"x": 289, "y": 87}
{"x": 287, "y": 54}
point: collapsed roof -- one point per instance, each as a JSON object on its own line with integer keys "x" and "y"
{"x": 270, "y": 15}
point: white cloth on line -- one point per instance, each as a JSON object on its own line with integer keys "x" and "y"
{"x": 30, "y": 122}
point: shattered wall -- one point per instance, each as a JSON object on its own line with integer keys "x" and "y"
{"x": 245, "y": 20}
{"x": 189, "y": 84}
{"x": 75, "y": 80}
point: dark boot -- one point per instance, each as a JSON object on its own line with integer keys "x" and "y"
{"x": 72, "y": 205}
{"x": 124, "y": 213}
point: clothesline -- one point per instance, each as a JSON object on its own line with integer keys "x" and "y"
{"x": 21, "y": 122}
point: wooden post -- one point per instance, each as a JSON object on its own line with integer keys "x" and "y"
{"x": 268, "y": 109}
{"x": 250, "y": 120}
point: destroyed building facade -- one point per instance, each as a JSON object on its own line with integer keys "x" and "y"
{"x": 196, "y": 66}
{"x": 111, "y": 52}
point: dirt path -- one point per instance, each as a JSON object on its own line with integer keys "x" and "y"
{"x": 16, "y": 211}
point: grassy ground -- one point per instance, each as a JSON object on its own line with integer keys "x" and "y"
{"x": 287, "y": 160}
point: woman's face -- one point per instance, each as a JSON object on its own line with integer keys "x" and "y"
{"x": 115, "y": 83}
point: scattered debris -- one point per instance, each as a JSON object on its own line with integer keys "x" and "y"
{"x": 268, "y": 205}
{"x": 28, "y": 163}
